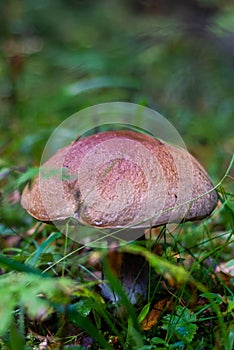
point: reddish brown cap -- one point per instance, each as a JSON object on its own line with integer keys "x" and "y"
{"x": 120, "y": 178}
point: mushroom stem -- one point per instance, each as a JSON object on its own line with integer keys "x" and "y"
{"x": 133, "y": 272}
{"x": 134, "y": 277}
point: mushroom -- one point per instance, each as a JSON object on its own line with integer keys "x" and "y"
{"x": 121, "y": 179}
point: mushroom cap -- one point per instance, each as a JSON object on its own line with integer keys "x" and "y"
{"x": 120, "y": 178}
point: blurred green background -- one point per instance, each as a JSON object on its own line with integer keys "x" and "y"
{"x": 59, "y": 56}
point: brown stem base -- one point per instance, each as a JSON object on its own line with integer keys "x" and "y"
{"x": 133, "y": 273}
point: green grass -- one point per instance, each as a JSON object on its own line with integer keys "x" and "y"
{"x": 52, "y": 288}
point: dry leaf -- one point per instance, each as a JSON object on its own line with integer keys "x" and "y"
{"x": 38, "y": 227}
{"x": 153, "y": 316}
{"x": 226, "y": 268}
{"x": 113, "y": 339}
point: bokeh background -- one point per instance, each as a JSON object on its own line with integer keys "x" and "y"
{"x": 58, "y": 57}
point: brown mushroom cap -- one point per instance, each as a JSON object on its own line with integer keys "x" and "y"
{"x": 120, "y": 178}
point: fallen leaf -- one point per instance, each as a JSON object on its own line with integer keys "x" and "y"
{"x": 152, "y": 318}
{"x": 226, "y": 268}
